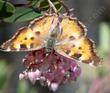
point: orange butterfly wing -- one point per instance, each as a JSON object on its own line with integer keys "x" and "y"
{"x": 72, "y": 28}
{"x": 74, "y": 42}
{"x": 31, "y": 37}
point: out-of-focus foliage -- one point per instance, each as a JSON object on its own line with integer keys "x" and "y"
{"x": 3, "y": 73}
{"x": 104, "y": 47}
{"x": 104, "y": 43}
{"x": 22, "y": 87}
{"x": 102, "y": 83}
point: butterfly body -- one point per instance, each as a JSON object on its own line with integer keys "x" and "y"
{"x": 64, "y": 34}
{"x": 50, "y": 44}
{"x": 52, "y": 39}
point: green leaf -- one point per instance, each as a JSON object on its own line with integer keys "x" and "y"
{"x": 35, "y": 2}
{"x": 22, "y": 15}
{"x": 6, "y": 9}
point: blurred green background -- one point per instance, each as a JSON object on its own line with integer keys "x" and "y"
{"x": 95, "y": 14}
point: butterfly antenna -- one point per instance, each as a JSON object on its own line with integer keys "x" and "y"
{"x": 52, "y": 6}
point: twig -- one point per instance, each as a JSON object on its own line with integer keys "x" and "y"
{"x": 52, "y": 5}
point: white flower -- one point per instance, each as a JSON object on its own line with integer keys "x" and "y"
{"x": 54, "y": 86}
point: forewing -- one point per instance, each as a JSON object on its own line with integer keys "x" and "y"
{"x": 24, "y": 40}
{"x": 31, "y": 37}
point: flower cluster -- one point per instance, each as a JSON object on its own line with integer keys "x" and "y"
{"x": 50, "y": 69}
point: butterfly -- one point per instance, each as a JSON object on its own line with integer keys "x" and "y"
{"x": 63, "y": 33}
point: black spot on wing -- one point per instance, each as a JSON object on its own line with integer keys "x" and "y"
{"x": 23, "y": 46}
{"x": 32, "y": 38}
{"x": 25, "y": 38}
{"x": 71, "y": 37}
{"x": 37, "y": 33}
{"x": 77, "y": 55}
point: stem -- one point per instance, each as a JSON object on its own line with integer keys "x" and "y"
{"x": 52, "y": 5}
